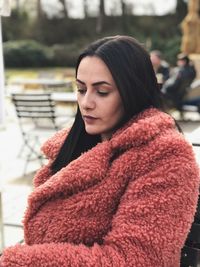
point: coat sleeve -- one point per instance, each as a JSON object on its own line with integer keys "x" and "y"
{"x": 148, "y": 229}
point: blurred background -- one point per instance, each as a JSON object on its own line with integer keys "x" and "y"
{"x": 41, "y": 40}
{"x": 43, "y": 33}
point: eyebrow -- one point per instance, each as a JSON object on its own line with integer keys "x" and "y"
{"x": 96, "y": 83}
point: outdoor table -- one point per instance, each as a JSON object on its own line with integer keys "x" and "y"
{"x": 43, "y": 83}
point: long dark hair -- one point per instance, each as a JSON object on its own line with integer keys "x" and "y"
{"x": 132, "y": 71}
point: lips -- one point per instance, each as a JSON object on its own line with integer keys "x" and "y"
{"x": 89, "y": 119}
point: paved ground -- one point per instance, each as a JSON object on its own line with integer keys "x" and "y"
{"x": 15, "y": 187}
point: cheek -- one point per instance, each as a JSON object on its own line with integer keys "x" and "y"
{"x": 120, "y": 113}
{"x": 117, "y": 110}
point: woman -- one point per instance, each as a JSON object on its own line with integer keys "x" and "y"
{"x": 121, "y": 187}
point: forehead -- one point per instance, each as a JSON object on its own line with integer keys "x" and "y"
{"x": 92, "y": 67}
{"x": 154, "y": 56}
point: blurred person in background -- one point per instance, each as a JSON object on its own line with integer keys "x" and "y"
{"x": 121, "y": 185}
{"x": 177, "y": 86}
{"x": 160, "y": 66}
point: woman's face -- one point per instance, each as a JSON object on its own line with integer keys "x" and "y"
{"x": 98, "y": 97}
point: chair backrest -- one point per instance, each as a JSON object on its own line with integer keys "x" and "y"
{"x": 37, "y": 107}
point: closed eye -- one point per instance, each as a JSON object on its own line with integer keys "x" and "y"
{"x": 81, "y": 90}
{"x": 101, "y": 93}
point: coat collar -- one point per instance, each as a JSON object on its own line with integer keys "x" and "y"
{"x": 142, "y": 128}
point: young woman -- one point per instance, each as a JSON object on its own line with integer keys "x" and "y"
{"x": 121, "y": 186}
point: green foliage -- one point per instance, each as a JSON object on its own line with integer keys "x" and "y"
{"x": 59, "y": 40}
{"x": 62, "y": 31}
{"x": 65, "y": 55}
{"x": 169, "y": 48}
{"x": 172, "y": 48}
{"x": 26, "y": 53}
{"x": 17, "y": 26}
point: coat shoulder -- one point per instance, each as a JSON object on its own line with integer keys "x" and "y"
{"x": 52, "y": 146}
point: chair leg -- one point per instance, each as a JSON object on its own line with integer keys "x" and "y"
{"x": 32, "y": 151}
{"x": 21, "y": 150}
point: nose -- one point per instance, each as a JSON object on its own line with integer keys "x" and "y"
{"x": 87, "y": 101}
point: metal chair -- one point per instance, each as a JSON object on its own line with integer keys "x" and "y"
{"x": 37, "y": 118}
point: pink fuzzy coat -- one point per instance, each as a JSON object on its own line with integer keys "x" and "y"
{"x": 128, "y": 202}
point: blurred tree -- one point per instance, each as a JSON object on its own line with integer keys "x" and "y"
{"x": 13, "y": 26}
{"x": 101, "y": 16}
{"x": 124, "y": 13}
{"x": 158, "y": 32}
{"x": 17, "y": 5}
{"x": 39, "y": 9}
{"x": 123, "y": 7}
{"x": 114, "y": 8}
{"x": 65, "y": 9}
{"x": 85, "y": 8}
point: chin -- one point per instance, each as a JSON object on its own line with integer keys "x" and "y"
{"x": 92, "y": 131}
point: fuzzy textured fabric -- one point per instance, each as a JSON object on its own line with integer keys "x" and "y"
{"x": 127, "y": 202}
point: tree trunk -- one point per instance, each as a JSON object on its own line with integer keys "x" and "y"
{"x": 17, "y": 5}
{"x": 39, "y": 9}
{"x": 101, "y": 15}
{"x": 65, "y": 9}
{"x": 123, "y": 16}
{"x": 123, "y": 8}
{"x": 85, "y": 8}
